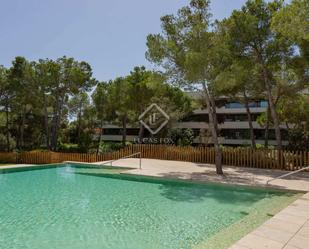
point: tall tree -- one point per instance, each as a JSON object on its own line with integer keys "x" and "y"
{"x": 291, "y": 22}
{"x": 142, "y": 87}
{"x": 172, "y": 100}
{"x": 128, "y": 97}
{"x": 46, "y": 71}
{"x": 21, "y": 75}
{"x": 34, "y": 97}
{"x": 184, "y": 49}
{"x": 238, "y": 81}
{"x": 293, "y": 109}
{"x": 78, "y": 105}
{"x": 71, "y": 77}
{"x": 251, "y": 37}
{"x": 120, "y": 103}
{"x": 101, "y": 106}
{"x": 9, "y": 92}
{"x": 6, "y": 94}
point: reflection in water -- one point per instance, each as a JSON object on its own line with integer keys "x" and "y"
{"x": 66, "y": 172}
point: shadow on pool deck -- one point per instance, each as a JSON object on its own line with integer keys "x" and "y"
{"x": 188, "y": 191}
{"x": 239, "y": 176}
{"x": 222, "y": 194}
{"x": 207, "y": 173}
{"x": 237, "y": 179}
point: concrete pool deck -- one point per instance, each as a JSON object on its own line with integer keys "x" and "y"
{"x": 207, "y": 173}
{"x": 289, "y": 229}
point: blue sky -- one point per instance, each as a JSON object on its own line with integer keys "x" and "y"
{"x": 110, "y": 35}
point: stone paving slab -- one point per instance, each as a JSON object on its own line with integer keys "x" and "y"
{"x": 286, "y": 230}
{"x": 272, "y": 233}
{"x": 253, "y": 241}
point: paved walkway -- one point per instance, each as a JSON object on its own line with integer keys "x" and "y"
{"x": 289, "y": 229}
{"x": 11, "y": 166}
{"x": 207, "y": 173}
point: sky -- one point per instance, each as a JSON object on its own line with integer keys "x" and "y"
{"x": 109, "y": 34}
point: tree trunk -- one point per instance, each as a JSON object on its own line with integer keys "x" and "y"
{"x": 46, "y": 123}
{"x": 22, "y": 128}
{"x": 7, "y": 126}
{"x": 252, "y": 137}
{"x": 100, "y": 136}
{"x": 214, "y": 111}
{"x": 271, "y": 104}
{"x": 78, "y": 128}
{"x": 266, "y": 135}
{"x": 18, "y": 137}
{"x": 56, "y": 123}
{"x": 54, "y": 131}
{"x": 275, "y": 119}
{"x": 213, "y": 130}
{"x": 141, "y": 133}
{"x": 124, "y": 130}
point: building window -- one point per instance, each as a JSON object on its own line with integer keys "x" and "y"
{"x": 252, "y": 104}
{"x": 264, "y": 103}
{"x": 234, "y": 105}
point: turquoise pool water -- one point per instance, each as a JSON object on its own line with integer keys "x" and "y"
{"x": 78, "y": 208}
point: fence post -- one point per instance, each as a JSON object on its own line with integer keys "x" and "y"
{"x": 280, "y": 159}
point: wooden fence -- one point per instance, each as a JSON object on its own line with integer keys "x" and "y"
{"x": 242, "y": 157}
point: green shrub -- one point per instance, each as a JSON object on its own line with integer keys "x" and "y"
{"x": 3, "y": 142}
{"x": 298, "y": 139}
{"x": 111, "y": 146}
{"x": 181, "y": 137}
{"x": 261, "y": 146}
{"x": 70, "y": 148}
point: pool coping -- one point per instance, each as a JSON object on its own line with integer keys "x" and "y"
{"x": 288, "y": 229}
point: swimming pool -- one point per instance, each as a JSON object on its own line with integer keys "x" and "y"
{"x": 80, "y": 207}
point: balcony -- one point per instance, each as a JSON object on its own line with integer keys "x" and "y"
{"x": 224, "y": 110}
{"x": 225, "y": 125}
{"x": 228, "y": 141}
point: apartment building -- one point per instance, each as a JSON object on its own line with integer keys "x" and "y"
{"x": 232, "y": 123}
